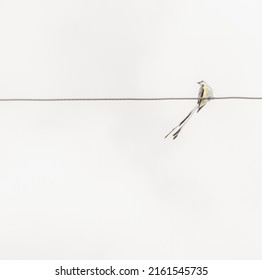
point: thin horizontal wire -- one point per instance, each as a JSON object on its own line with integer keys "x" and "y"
{"x": 122, "y": 99}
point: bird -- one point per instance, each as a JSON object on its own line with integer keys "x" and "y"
{"x": 205, "y": 94}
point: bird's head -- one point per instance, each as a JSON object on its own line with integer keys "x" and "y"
{"x": 202, "y": 83}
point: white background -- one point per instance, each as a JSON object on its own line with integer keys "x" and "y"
{"x": 97, "y": 180}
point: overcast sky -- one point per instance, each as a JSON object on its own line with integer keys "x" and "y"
{"x": 97, "y": 180}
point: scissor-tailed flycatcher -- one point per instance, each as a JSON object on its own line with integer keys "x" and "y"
{"x": 205, "y": 94}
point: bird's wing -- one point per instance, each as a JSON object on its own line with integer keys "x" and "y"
{"x": 200, "y": 96}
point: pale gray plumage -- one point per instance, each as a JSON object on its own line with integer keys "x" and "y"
{"x": 205, "y": 94}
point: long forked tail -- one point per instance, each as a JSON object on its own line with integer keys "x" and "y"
{"x": 178, "y": 128}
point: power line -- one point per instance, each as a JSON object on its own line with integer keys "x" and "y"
{"x": 123, "y": 99}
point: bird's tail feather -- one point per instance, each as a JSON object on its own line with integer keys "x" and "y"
{"x": 178, "y": 128}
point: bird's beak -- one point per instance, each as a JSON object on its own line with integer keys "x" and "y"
{"x": 199, "y": 83}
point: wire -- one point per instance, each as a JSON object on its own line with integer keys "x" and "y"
{"x": 122, "y": 99}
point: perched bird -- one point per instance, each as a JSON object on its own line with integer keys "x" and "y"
{"x": 205, "y": 94}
